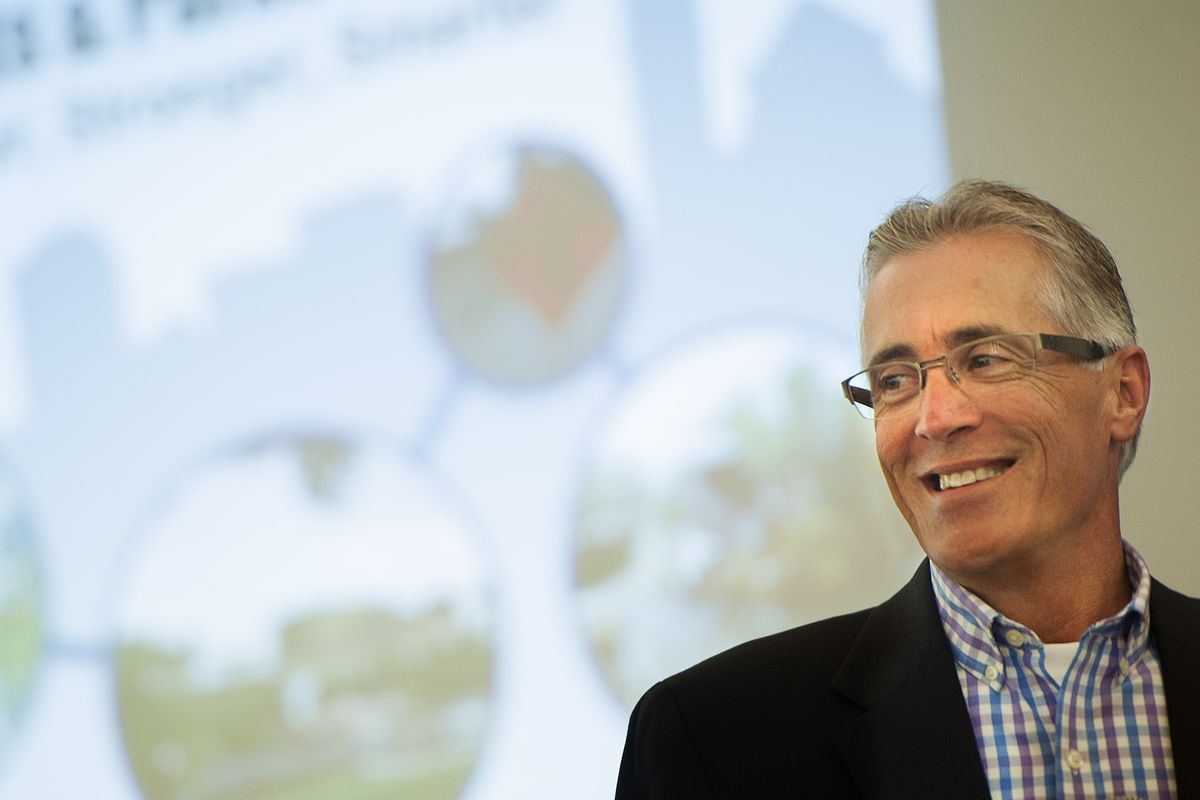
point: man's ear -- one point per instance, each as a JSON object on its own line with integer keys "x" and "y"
{"x": 1132, "y": 391}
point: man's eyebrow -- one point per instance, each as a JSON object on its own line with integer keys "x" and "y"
{"x": 895, "y": 352}
{"x": 971, "y": 333}
{"x": 956, "y": 337}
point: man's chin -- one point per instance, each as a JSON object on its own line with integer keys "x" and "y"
{"x": 967, "y": 552}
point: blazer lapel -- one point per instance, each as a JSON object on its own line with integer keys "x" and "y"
{"x": 1175, "y": 624}
{"x": 914, "y": 737}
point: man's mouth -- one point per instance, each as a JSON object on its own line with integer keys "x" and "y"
{"x": 952, "y": 480}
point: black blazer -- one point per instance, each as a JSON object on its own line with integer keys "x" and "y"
{"x": 865, "y": 706}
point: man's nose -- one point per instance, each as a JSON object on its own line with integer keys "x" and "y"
{"x": 943, "y": 408}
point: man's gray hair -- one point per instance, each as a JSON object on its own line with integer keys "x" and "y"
{"x": 1082, "y": 289}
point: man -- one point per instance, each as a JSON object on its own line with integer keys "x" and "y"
{"x": 1031, "y": 656}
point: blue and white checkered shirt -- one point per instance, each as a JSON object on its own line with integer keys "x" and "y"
{"x": 1101, "y": 734}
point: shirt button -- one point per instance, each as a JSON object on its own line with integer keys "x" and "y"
{"x": 1123, "y": 665}
{"x": 1074, "y": 760}
{"x": 1015, "y": 638}
{"x": 991, "y": 673}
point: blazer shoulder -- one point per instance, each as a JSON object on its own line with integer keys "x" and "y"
{"x": 762, "y": 719}
{"x": 1160, "y": 593}
{"x": 1174, "y": 619}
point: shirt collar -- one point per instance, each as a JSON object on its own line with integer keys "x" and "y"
{"x": 977, "y": 632}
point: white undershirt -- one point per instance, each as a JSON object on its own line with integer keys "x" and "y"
{"x": 1058, "y": 659}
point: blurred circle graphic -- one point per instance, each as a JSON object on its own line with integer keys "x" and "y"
{"x": 731, "y": 492}
{"x": 307, "y": 617}
{"x": 22, "y": 624}
{"x": 527, "y": 265}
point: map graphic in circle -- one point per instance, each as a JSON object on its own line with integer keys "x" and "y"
{"x": 730, "y": 493}
{"x": 305, "y": 618}
{"x": 527, "y": 266}
{"x": 21, "y": 614}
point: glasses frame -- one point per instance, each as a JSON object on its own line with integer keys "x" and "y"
{"x": 1085, "y": 349}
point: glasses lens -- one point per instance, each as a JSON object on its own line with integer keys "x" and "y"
{"x": 885, "y": 388}
{"x": 859, "y": 392}
{"x": 994, "y": 359}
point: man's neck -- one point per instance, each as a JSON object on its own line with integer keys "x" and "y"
{"x": 1060, "y": 599}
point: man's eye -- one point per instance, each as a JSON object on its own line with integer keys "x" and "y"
{"x": 981, "y": 361}
{"x": 986, "y": 361}
{"x": 892, "y": 382}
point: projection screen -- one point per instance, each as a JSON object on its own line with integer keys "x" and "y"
{"x": 390, "y": 392}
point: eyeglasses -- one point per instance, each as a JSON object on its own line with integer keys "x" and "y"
{"x": 891, "y": 389}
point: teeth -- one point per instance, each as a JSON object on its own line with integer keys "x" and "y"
{"x": 967, "y": 477}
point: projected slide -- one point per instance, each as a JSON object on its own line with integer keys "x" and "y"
{"x": 390, "y": 392}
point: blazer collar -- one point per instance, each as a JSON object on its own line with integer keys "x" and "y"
{"x": 914, "y": 737}
{"x": 1175, "y": 626}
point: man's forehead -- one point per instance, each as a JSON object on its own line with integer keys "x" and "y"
{"x": 956, "y": 290}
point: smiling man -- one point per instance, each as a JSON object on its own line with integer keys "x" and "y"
{"x": 1031, "y": 655}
